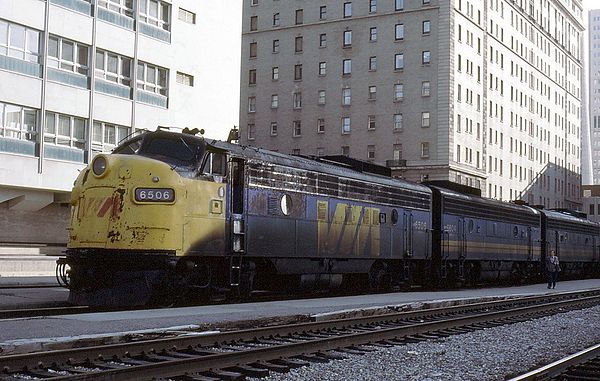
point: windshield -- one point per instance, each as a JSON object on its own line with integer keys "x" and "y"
{"x": 183, "y": 152}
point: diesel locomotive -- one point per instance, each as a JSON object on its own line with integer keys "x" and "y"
{"x": 170, "y": 214}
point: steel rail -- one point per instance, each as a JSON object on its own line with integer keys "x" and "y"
{"x": 214, "y": 361}
{"x": 558, "y": 367}
{"x": 218, "y": 361}
{"x": 19, "y": 361}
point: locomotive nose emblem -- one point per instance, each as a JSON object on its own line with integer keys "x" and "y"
{"x": 155, "y": 179}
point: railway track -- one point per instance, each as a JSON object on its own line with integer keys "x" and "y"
{"x": 256, "y": 352}
{"x": 583, "y": 366}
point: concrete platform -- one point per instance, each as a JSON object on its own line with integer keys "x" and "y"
{"x": 28, "y": 261}
{"x": 40, "y": 330}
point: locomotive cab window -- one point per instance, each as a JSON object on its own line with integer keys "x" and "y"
{"x": 215, "y": 164}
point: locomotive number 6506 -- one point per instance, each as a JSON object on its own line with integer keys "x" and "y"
{"x": 154, "y": 195}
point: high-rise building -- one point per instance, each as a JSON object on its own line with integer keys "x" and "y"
{"x": 594, "y": 91}
{"x": 76, "y": 77}
{"x": 483, "y": 93}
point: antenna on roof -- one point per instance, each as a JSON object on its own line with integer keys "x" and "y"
{"x": 193, "y": 131}
{"x": 234, "y": 135}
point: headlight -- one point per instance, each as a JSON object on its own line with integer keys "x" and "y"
{"x": 99, "y": 165}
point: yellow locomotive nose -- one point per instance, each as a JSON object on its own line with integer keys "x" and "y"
{"x": 126, "y": 202}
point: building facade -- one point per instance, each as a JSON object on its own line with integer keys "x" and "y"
{"x": 76, "y": 77}
{"x": 594, "y": 90}
{"x": 483, "y": 93}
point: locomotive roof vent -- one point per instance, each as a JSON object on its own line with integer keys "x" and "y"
{"x": 355, "y": 164}
{"x": 451, "y": 185}
{"x": 573, "y": 213}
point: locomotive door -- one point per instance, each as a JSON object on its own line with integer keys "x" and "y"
{"x": 529, "y": 244}
{"x": 408, "y": 234}
{"x": 237, "y": 227}
{"x": 462, "y": 247}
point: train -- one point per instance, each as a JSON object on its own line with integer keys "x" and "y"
{"x": 168, "y": 215}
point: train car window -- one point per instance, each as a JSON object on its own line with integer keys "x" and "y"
{"x": 215, "y": 164}
{"x": 394, "y": 217}
{"x": 382, "y": 218}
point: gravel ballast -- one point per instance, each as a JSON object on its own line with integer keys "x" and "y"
{"x": 488, "y": 354}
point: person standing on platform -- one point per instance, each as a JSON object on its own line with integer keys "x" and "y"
{"x": 552, "y": 268}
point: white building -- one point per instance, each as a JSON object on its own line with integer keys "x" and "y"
{"x": 76, "y": 76}
{"x": 483, "y": 93}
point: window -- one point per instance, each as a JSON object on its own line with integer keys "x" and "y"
{"x": 275, "y": 46}
{"x": 398, "y": 122}
{"x": 251, "y": 131}
{"x": 113, "y": 68}
{"x": 425, "y": 150}
{"x": 346, "y": 96}
{"x": 372, "y": 6}
{"x": 373, "y": 34}
{"x": 322, "y": 40}
{"x": 153, "y": 12}
{"x": 370, "y": 152}
{"x": 347, "y": 9}
{"x": 273, "y": 128}
{"x": 106, "y": 136}
{"x": 322, "y": 68}
{"x": 372, "y": 63}
{"x": 251, "y": 104}
{"x": 152, "y": 78}
{"x": 398, "y": 92}
{"x": 346, "y": 66}
{"x": 426, "y": 57}
{"x": 425, "y": 119}
{"x": 425, "y": 88}
{"x": 298, "y": 44}
{"x": 187, "y": 16}
{"x": 185, "y": 79}
{"x": 299, "y": 16}
{"x": 372, "y": 93}
{"x": 274, "y": 101}
{"x": 399, "y": 32}
{"x": 399, "y": 61}
{"x": 397, "y": 152}
{"x": 67, "y": 55}
{"x": 399, "y": 5}
{"x": 346, "y": 150}
{"x": 371, "y": 122}
{"x": 298, "y": 72}
{"x": 252, "y": 77}
{"x": 346, "y": 128}
{"x": 347, "y": 38}
{"x": 297, "y": 99}
{"x": 276, "y": 19}
{"x": 253, "y": 49}
{"x": 297, "y": 131}
{"x": 321, "y": 97}
{"x": 275, "y": 73}
{"x": 124, "y": 7}
{"x": 322, "y": 12}
{"x": 64, "y": 130}
{"x": 19, "y": 42}
{"x": 320, "y": 126}
{"x": 253, "y": 23}
{"x": 426, "y": 27}
{"x": 18, "y": 122}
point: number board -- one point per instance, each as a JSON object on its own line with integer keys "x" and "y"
{"x": 154, "y": 195}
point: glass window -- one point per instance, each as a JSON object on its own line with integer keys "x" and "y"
{"x": 348, "y": 9}
{"x": 346, "y": 66}
{"x": 347, "y": 38}
{"x": 426, "y": 57}
{"x": 67, "y": 55}
{"x": 399, "y": 5}
{"x": 399, "y": 61}
{"x": 346, "y": 128}
{"x": 105, "y": 136}
{"x": 18, "y": 122}
{"x": 373, "y": 34}
{"x": 65, "y": 130}
{"x": 114, "y": 68}
{"x": 398, "y": 122}
{"x": 124, "y": 7}
{"x": 19, "y": 42}
{"x": 187, "y": 16}
{"x": 154, "y": 80}
{"x": 398, "y": 92}
{"x": 426, "y": 27}
{"x": 346, "y": 96}
{"x": 399, "y": 31}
